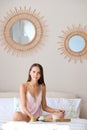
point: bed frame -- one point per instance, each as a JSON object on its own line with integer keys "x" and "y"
{"x": 48, "y": 94}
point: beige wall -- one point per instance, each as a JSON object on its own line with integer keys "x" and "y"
{"x": 59, "y": 74}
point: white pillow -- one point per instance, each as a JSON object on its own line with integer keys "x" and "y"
{"x": 71, "y": 106}
{"x": 6, "y": 108}
{"x": 16, "y": 104}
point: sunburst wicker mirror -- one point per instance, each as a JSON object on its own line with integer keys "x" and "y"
{"x": 22, "y": 30}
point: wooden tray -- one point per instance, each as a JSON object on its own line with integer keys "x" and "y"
{"x": 62, "y": 120}
{"x": 59, "y": 120}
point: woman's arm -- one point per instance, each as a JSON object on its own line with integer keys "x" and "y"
{"x": 44, "y": 104}
{"x": 23, "y": 99}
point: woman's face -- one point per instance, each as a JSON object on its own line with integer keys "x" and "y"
{"x": 35, "y": 73}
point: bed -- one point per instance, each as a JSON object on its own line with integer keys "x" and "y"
{"x": 68, "y": 101}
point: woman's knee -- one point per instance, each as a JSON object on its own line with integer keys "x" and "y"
{"x": 17, "y": 116}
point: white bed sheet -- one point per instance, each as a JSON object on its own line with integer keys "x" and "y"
{"x": 75, "y": 124}
{"x": 0, "y": 126}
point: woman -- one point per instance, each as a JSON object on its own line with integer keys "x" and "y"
{"x": 33, "y": 97}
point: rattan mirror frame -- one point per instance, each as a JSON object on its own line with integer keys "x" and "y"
{"x": 64, "y": 43}
{"x": 22, "y": 14}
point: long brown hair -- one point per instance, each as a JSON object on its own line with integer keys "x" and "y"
{"x": 41, "y": 80}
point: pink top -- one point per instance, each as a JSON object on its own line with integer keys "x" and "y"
{"x": 34, "y": 104}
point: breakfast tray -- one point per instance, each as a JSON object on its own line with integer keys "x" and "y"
{"x": 63, "y": 120}
{"x": 60, "y": 120}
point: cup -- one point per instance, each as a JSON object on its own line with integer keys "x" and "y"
{"x": 55, "y": 117}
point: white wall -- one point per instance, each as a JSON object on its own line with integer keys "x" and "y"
{"x": 60, "y": 75}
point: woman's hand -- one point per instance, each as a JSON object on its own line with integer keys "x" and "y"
{"x": 60, "y": 112}
{"x": 63, "y": 111}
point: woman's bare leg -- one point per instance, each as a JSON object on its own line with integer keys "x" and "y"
{"x": 18, "y": 116}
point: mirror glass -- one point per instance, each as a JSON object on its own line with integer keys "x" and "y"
{"x": 23, "y": 31}
{"x": 76, "y": 43}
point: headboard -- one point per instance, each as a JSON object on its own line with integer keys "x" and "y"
{"x": 48, "y": 94}
{"x": 60, "y": 95}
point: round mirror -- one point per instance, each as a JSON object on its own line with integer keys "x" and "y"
{"x": 23, "y": 32}
{"x": 76, "y": 43}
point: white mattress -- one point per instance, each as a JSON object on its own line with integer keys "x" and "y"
{"x": 75, "y": 124}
